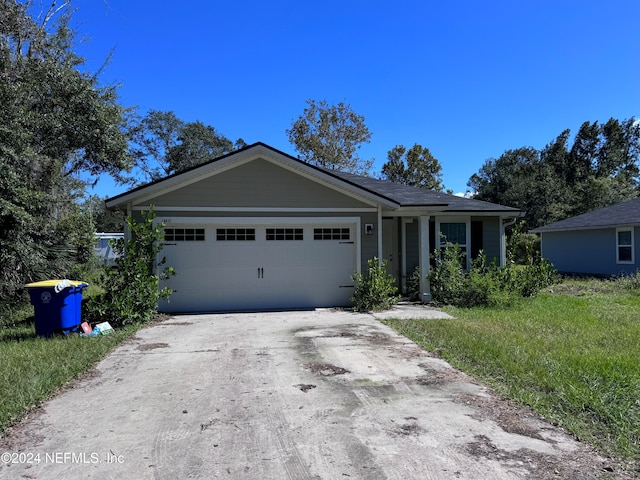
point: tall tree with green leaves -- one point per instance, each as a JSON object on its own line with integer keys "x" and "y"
{"x": 415, "y": 166}
{"x": 162, "y": 144}
{"x": 329, "y": 136}
{"x": 56, "y": 123}
{"x": 561, "y": 180}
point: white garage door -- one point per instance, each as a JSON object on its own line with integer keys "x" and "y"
{"x": 250, "y": 266}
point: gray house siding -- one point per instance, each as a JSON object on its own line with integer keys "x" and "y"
{"x": 258, "y": 183}
{"x": 589, "y": 252}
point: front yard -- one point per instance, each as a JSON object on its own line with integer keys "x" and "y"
{"x": 34, "y": 369}
{"x": 572, "y": 354}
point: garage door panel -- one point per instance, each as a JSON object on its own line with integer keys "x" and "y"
{"x": 227, "y": 273}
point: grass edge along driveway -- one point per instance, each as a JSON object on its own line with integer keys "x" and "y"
{"x": 570, "y": 354}
{"x": 34, "y": 369}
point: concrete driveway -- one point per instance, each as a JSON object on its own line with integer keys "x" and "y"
{"x": 292, "y": 395}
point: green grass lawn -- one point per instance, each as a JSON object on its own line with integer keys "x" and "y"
{"x": 572, "y": 354}
{"x": 33, "y": 369}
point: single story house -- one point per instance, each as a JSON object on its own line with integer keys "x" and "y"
{"x": 259, "y": 229}
{"x": 602, "y": 242}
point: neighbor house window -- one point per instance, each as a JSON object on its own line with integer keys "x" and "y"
{"x": 284, "y": 234}
{"x": 184, "y": 234}
{"x": 624, "y": 245}
{"x": 235, "y": 234}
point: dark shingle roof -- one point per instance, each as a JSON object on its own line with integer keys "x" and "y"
{"x": 621, "y": 214}
{"x": 408, "y": 196}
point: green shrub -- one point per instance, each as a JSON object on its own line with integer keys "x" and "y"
{"x": 376, "y": 290}
{"x": 448, "y": 279}
{"x": 131, "y": 287}
{"x": 629, "y": 281}
{"x": 486, "y": 284}
{"x": 413, "y": 285}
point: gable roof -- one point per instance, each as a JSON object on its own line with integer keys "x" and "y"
{"x": 620, "y": 215}
{"x": 392, "y": 195}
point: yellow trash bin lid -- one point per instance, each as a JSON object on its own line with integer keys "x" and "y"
{"x": 53, "y": 283}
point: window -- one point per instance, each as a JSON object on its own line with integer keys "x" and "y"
{"x": 284, "y": 234}
{"x": 332, "y": 234}
{"x": 184, "y": 234}
{"x": 235, "y": 234}
{"x": 455, "y": 233}
{"x": 624, "y": 245}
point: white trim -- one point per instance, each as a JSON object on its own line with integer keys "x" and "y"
{"x": 423, "y": 259}
{"x": 403, "y": 253}
{"x": 255, "y": 220}
{"x": 503, "y": 238}
{"x": 632, "y": 246}
{"x": 253, "y": 209}
{"x": 414, "y": 212}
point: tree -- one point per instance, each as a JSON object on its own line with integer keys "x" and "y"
{"x": 199, "y": 143}
{"x": 599, "y": 169}
{"x": 104, "y": 220}
{"x": 329, "y": 136}
{"x": 151, "y": 139}
{"x": 519, "y": 178}
{"x": 56, "y": 122}
{"x": 416, "y": 167}
{"x": 162, "y": 145}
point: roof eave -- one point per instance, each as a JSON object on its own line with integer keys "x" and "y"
{"x": 584, "y": 227}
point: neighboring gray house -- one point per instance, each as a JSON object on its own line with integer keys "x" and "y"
{"x": 260, "y": 229}
{"x": 602, "y": 242}
{"x": 103, "y": 250}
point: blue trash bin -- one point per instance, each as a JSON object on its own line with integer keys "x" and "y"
{"x": 57, "y": 304}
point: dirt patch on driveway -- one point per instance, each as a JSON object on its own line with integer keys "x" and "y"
{"x": 325, "y": 369}
{"x": 151, "y": 346}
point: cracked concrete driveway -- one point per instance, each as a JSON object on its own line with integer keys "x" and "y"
{"x": 291, "y": 395}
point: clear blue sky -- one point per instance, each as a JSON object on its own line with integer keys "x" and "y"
{"x": 467, "y": 79}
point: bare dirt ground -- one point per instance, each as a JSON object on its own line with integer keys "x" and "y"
{"x": 289, "y": 395}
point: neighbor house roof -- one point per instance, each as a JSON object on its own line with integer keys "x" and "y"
{"x": 395, "y": 194}
{"x": 619, "y": 215}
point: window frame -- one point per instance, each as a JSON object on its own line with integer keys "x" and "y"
{"x": 224, "y": 234}
{"x": 284, "y": 234}
{"x": 332, "y": 233}
{"x": 631, "y": 246}
{"x": 466, "y": 220}
{"x": 180, "y": 234}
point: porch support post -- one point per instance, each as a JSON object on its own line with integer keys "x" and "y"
{"x": 423, "y": 229}
{"x": 379, "y": 234}
{"x": 403, "y": 255}
{"x": 504, "y": 223}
